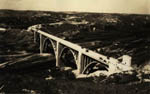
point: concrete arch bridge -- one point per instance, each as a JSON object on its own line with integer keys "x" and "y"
{"x": 77, "y": 57}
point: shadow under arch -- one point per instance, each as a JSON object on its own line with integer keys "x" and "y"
{"x": 94, "y": 66}
{"x": 68, "y": 58}
{"x": 38, "y": 39}
{"x": 48, "y": 46}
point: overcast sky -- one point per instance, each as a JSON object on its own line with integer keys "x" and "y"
{"x": 107, "y": 6}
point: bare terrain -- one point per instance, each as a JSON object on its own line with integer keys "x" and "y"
{"x": 24, "y": 70}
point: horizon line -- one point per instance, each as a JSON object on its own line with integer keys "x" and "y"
{"x": 65, "y": 11}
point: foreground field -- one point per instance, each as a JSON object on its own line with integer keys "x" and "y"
{"x": 24, "y": 70}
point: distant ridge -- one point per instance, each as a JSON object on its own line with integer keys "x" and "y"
{"x": 67, "y": 12}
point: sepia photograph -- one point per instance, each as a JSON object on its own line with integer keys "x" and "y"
{"x": 74, "y": 46}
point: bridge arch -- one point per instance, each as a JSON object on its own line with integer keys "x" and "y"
{"x": 94, "y": 66}
{"x": 48, "y": 46}
{"x": 68, "y": 57}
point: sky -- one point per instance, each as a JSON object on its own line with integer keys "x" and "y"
{"x": 101, "y": 6}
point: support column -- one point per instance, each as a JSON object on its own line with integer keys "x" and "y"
{"x": 41, "y": 44}
{"x": 79, "y": 63}
{"x": 34, "y": 36}
{"x": 57, "y": 54}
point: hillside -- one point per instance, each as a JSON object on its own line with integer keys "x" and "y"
{"x": 24, "y": 70}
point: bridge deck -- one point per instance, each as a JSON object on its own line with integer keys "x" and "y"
{"x": 76, "y": 47}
